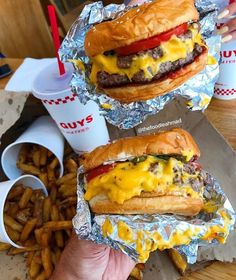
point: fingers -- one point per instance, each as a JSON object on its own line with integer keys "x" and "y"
{"x": 119, "y": 266}
{"x": 228, "y": 31}
{"x": 82, "y": 260}
{"x": 228, "y": 11}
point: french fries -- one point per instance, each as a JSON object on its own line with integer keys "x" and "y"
{"x": 9, "y": 221}
{"x": 178, "y": 260}
{"x": 36, "y": 158}
{"x": 59, "y": 225}
{"x": 137, "y": 272}
{"x": 41, "y": 276}
{"x": 47, "y": 209}
{"x": 54, "y": 164}
{"x": 66, "y": 178}
{"x": 4, "y": 246}
{"x": 23, "y": 154}
{"x": 46, "y": 237}
{"x": 15, "y": 251}
{"x": 28, "y": 169}
{"x": 13, "y": 234}
{"x": 34, "y": 268}
{"x": 41, "y": 224}
{"x": 25, "y": 197}
{"x": 47, "y": 261}
{"x": 17, "y": 191}
{"x": 43, "y": 176}
{"x": 28, "y": 228}
{"x": 43, "y": 156}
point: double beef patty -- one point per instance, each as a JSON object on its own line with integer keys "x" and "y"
{"x": 107, "y": 80}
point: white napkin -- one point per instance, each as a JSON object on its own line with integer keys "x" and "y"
{"x": 22, "y": 79}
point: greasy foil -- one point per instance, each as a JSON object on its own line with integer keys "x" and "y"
{"x": 197, "y": 91}
{"x": 162, "y": 231}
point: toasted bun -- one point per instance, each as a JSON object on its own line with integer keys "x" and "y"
{"x": 137, "y": 92}
{"x": 139, "y": 23}
{"x": 185, "y": 206}
{"x": 174, "y": 141}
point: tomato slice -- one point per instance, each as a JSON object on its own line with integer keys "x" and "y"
{"x": 152, "y": 42}
{"x": 99, "y": 171}
{"x": 196, "y": 165}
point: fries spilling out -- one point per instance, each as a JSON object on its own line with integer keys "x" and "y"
{"x": 41, "y": 225}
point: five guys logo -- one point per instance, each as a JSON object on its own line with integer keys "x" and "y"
{"x": 77, "y": 124}
{"x": 228, "y": 54}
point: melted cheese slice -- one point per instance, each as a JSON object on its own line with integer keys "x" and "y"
{"x": 127, "y": 180}
{"x": 173, "y": 50}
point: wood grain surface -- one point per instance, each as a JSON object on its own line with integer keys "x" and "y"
{"x": 24, "y": 31}
{"x": 222, "y": 115}
{"x": 14, "y": 63}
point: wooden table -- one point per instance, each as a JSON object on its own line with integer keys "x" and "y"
{"x": 223, "y": 116}
{"x": 14, "y": 63}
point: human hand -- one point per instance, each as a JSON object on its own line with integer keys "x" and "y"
{"x": 83, "y": 260}
{"x": 228, "y": 30}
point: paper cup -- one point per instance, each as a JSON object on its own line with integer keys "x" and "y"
{"x": 225, "y": 87}
{"x": 43, "y": 132}
{"x": 82, "y": 125}
{"x": 5, "y": 187}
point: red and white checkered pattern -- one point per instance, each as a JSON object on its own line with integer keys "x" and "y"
{"x": 60, "y": 100}
{"x": 219, "y": 91}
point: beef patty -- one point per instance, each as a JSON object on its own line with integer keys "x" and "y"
{"x": 106, "y": 80}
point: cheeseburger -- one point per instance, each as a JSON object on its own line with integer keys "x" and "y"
{"x": 147, "y": 51}
{"x": 151, "y": 174}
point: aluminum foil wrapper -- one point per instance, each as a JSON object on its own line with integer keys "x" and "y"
{"x": 138, "y": 235}
{"x": 197, "y": 91}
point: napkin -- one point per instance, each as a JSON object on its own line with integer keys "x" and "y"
{"x": 22, "y": 79}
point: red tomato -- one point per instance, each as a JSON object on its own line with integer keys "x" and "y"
{"x": 98, "y": 171}
{"x": 152, "y": 42}
{"x": 196, "y": 165}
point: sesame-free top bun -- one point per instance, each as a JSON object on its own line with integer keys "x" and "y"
{"x": 140, "y": 92}
{"x": 175, "y": 141}
{"x": 139, "y": 23}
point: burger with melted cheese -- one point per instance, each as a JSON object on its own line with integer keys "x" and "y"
{"x": 151, "y": 174}
{"x": 147, "y": 51}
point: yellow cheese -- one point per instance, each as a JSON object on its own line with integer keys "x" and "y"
{"x": 211, "y": 60}
{"x": 78, "y": 63}
{"x": 147, "y": 242}
{"x": 107, "y": 228}
{"x": 173, "y": 50}
{"x": 128, "y": 179}
{"x": 219, "y": 232}
{"x": 210, "y": 207}
{"x": 124, "y": 231}
{"x": 188, "y": 154}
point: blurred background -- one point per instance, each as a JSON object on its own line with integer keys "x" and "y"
{"x": 25, "y": 29}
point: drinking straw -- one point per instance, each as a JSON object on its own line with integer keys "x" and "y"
{"x": 55, "y": 35}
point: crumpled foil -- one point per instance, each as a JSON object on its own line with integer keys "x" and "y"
{"x": 198, "y": 90}
{"x": 188, "y": 233}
